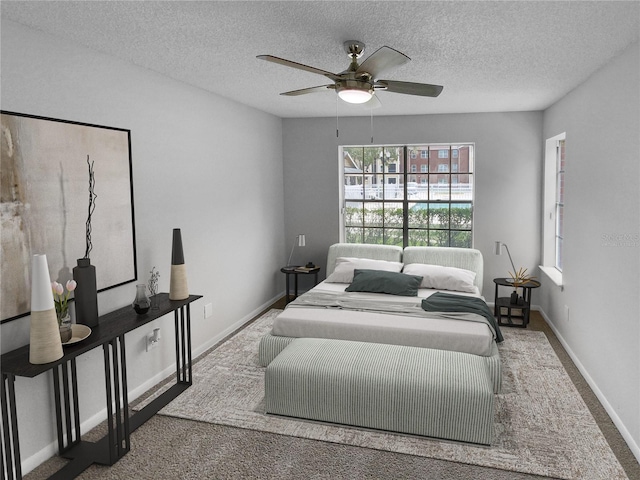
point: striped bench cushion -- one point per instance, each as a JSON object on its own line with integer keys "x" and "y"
{"x": 420, "y": 391}
{"x": 271, "y": 346}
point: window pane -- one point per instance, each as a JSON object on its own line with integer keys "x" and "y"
{"x": 461, "y": 239}
{"x": 439, "y": 238}
{"x": 353, "y": 214}
{"x": 353, "y": 191}
{"x": 418, "y": 215}
{"x": 460, "y": 161}
{"x": 373, "y": 236}
{"x": 393, "y": 236}
{"x": 353, "y": 235}
{"x": 439, "y": 215}
{"x": 393, "y": 215}
{"x": 418, "y": 238}
{"x": 560, "y": 221}
{"x": 461, "y": 216}
{"x": 373, "y": 214}
{"x": 439, "y": 187}
{"x": 559, "y": 253}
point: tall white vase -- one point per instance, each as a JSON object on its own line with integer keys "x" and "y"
{"x": 45, "y": 345}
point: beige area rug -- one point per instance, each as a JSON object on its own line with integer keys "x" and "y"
{"x": 543, "y": 427}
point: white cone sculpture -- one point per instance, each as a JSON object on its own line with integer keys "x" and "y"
{"x": 45, "y": 345}
{"x": 178, "y": 288}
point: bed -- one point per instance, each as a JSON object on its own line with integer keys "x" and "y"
{"x": 303, "y": 319}
{"x": 393, "y": 339}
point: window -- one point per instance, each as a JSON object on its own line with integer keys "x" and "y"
{"x": 559, "y": 232}
{"x": 554, "y": 202}
{"x": 443, "y": 153}
{"x": 433, "y": 209}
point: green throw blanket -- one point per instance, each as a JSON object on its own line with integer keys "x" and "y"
{"x": 448, "y": 302}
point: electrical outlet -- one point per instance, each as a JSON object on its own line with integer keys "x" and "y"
{"x": 566, "y": 313}
{"x": 208, "y": 310}
{"x": 153, "y": 339}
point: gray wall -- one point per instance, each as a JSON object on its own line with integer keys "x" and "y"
{"x": 602, "y": 229}
{"x": 507, "y": 179}
{"x": 186, "y": 174}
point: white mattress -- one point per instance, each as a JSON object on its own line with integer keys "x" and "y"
{"x": 444, "y": 334}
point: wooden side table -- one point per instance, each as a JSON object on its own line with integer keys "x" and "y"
{"x": 500, "y": 303}
{"x": 295, "y": 271}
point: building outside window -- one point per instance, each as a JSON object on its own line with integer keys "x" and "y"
{"x": 405, "y": 209}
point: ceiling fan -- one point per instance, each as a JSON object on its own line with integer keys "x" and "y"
{"x": 359, "y": 82}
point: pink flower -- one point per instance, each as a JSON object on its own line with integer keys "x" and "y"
{"x": 57, "y": 288}
{"x": 71, "y": 285}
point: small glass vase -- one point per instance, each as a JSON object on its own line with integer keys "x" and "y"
{"x": 155, "y": 301}
{"x": 64, "y": 325}
{"x": 141, "y": 304}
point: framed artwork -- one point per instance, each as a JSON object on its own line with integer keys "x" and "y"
{"x": 44, "y": 204}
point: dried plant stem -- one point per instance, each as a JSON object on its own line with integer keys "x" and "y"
{"x": 92, "y": 206}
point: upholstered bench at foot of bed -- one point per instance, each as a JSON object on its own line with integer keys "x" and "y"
{"x": 271, "y": 346}
{"x": 420, "y": 391}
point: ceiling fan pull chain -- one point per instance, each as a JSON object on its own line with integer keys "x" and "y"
{"x": 337, "y": 123}
{"x": 371, "y": 112}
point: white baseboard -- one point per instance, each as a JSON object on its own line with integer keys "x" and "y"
{"x": 633, "y": 446}
{"x": 51, "y": 449}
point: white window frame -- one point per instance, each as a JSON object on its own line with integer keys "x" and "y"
{"x": 549, "y": 220}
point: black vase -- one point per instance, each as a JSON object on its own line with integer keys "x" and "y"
{"x": 514, "y": 298}
{"x": 86, "y": 293}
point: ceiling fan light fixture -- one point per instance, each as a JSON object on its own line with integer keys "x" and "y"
{"x": 353, "y": 95}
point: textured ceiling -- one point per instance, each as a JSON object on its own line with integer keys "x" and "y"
{"x": 490, "y": 56}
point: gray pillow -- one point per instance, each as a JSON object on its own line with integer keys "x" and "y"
{"x": 380, "y": 281}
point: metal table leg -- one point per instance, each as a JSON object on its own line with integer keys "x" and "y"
{"x": 11, "y": 468}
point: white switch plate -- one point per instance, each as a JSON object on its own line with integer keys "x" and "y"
{"x": 208, "y": 310}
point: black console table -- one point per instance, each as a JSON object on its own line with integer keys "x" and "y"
{"x": 109, "y": 334}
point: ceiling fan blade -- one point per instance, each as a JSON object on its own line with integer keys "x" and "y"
{"x": 382, "y": 60}
{"x": 409, "y": 88}
{"x": 299, "y": 66}
{"x": 303, "y": 91}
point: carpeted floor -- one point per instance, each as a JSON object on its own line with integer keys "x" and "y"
{"x": 542, "y": 425}
{"x": 168, "y": 447}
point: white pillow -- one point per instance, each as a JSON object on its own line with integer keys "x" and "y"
{"x": 343, "y": 271}
{"x": 443, "y": 278}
